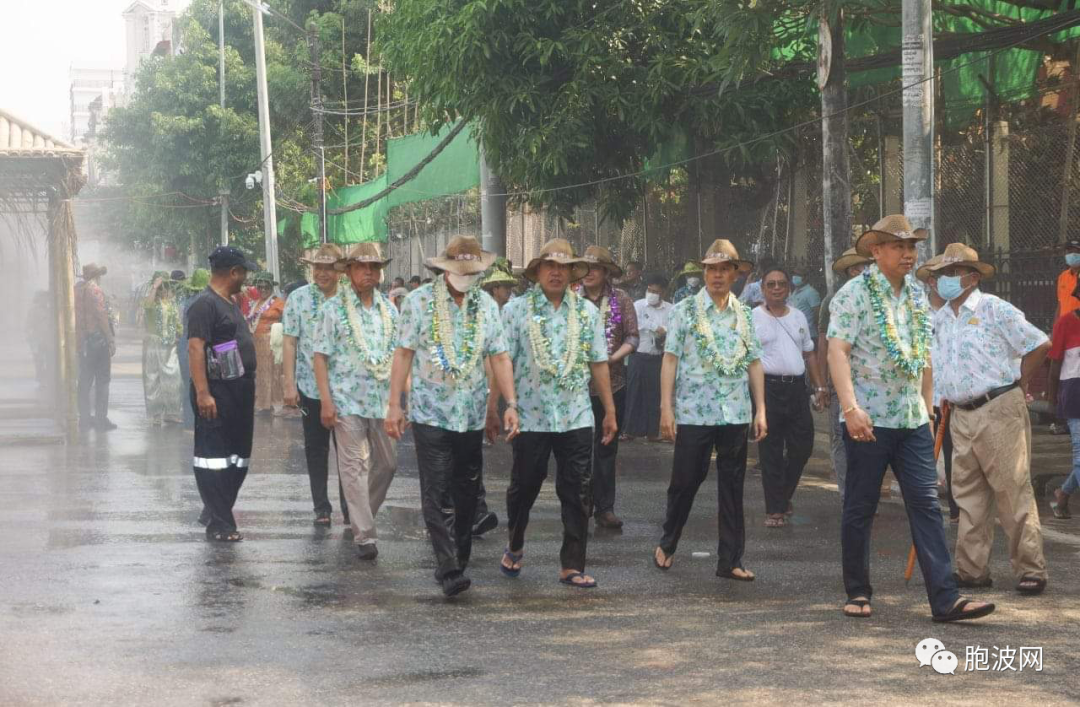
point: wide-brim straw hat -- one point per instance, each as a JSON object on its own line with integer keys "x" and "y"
{"x": 462, "y": 256}
{"x": 894, "y": 227}
{"x": 690, "y": 268}
{"x": 499, "y": 276}
{"x": 327, "y": 254}
{"x": 264, "y": 276}
{"x": 558, "y": 250}
{"x": 848, "y": 259}
{"x": 92, "y": 270}
{"x": 600, "y": 257}
{"x": 922, "y": 274}
{"x": 723, "y": 251}
{"x": 959, "y": 254}
{"x": 362, "y": 253}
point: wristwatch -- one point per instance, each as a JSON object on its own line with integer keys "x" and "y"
{"x": 512, "y": 404}
{"x": 821, "y": 390}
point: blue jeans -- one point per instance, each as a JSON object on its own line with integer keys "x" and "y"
{"x": 1073, "y": 482}
{"x": 910, "y": 453}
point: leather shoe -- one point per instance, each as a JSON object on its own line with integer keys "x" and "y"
{"x": 607, "y": 519}
{"x": 367, "y": 552}
{"x": 455, "y": 583}
{"x": 489, "y": 521}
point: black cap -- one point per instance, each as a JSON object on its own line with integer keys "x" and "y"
{"x": 225, "y": 256}
{"x": 177, "y": 275}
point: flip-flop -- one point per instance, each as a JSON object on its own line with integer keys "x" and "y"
{"x": 957, "y": 613}
{"x": 223, "y": 537}
{"x": 569, "y": 580}
{"x": 657, "y": 562}
{"x": 514, "y": 559}
{"x": 862, "y": 604}
{"x": 1039, "y": 585}
{"x": 730, "y": 574}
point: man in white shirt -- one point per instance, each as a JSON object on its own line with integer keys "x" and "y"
{"x": 643, "y": 373}
{"x": 787, "y": 353}
{"x": 984, "y": 352}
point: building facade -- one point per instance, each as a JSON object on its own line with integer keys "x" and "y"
{"x": 148, "y": 23}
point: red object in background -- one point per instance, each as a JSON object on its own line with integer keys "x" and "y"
{"x": 170, "y": 253}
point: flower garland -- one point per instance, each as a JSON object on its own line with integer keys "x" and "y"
{"x": 169, "y": 326}
{"x": 612, "y": 314}
{"x": 444, "y": 353}
{"x": 378, "y": 363}
{"x": 910, "y": 359}
{"x": 708, "y": 349}
{"x": 571, "y": 372}
{"x": 255, "y": 316}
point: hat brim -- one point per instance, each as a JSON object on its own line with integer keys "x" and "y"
{"x": 741, "y": 266}
{"x": 985, "y": 269}
{"x": 499, "y": 278}
{"x": 343, "y": 264}
{"x": 462, "y": 267}
{"x": 871, "y": 238}
{"x": 579, "y": 267}
{"x": 315, "y": 261}
{"x": 844, "y": 262}
{"x": 614, "y": 270}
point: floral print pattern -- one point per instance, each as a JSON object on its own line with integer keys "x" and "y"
{"x": 891, "y": 398}
{"x": 301, "y": 320}
{"x": 355, "y": 391}
{"x": 703, "y": 396}
{"x": 437, "y": 398}
{"x": 542, "y": 405}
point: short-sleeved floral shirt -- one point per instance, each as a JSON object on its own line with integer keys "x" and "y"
{"x": 704, "y": 396}
{"x": 886, "y": 393}
{"x": 301, "y": 320}
{"x": 543, "y": 406}
{"x": 437, "y": 398}
{"x": 354, "y": 389}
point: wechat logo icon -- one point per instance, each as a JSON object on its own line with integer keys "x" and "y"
{"x": 931, "y": 651}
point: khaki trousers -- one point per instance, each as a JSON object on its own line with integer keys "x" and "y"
{"x": 366, "y": 461}
{"x": 991, "y": 464}
{"x": 269, "y": 377}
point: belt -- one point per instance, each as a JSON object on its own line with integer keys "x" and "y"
{"x": 786, "y": 379}
{"x": 984, "y": 399}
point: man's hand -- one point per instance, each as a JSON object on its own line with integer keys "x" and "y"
{"x": 511, "y": 424}
{"x": 394, "y": 424}
{"x": 667, "y": 424}
{"x": 207, "y": 405}
{"x": 328, "y": 414}
{"x": 761, "y": 427}
{"x": 112, "y": 348}
{"x": 292, "y": 395}
{"x": 492, "y": 426}
{"x": 859, "y": 425}
{"x": 610, "y": 429}
{"x": 821, "y": 400}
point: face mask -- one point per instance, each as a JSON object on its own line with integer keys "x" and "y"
{"x": 949, "y": 287}
{"x": 693, "y": 281}
{"x": 652, "y": 299}
{"x": 1072, "y": 259}
{"x": 796, "y": 280}
{"x": 463, "y": 283}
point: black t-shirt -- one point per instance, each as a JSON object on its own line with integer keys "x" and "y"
{"x": 215, "y": 321}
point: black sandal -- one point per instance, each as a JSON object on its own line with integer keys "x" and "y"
{"x": 322, "y": 520}
{"x": 1036, "y": 585}
{"x": 730, "y": 574}
{"x": 862, "y": 604}
{"x": 957, "y": 613}
{"x": 224, "y": 537}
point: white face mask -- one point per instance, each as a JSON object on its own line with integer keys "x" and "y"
{"x": 652, "y": 299}
{"x": 693, "y": 281}
{"x": 463, "y": 283}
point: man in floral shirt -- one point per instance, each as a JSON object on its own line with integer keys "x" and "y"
{"x": 448, "y": 329}
{"x": 711, "y": 368}
{"x": 300, "y": 322}
{"x": 619, "y": 319}
{"x": 557, "y": 344}
{"x": 354, "y": 347}
{"x": 985, "y": 352}
{"x": 879, "y": 358}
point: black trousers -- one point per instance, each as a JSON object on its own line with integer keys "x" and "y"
{"x": 572, "y": 454}
{"x": 604, "y": 455}
{"x": 223, "y": 449}
{"x": 694, "y": 446}
{"x": 787, "y": 447}
{"x": 95, "y": 372}
{"x": 317, "y": 453}
{"x": 450, "y": 464}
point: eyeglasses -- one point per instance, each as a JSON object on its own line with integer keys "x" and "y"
{"x": 775, "y": 285}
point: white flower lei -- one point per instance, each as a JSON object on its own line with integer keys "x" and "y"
{"x": 570, "y": 371}
{"x": 444, "y": 352}
{"x": 710, "y": 351}
{"x": 377, "y": 364}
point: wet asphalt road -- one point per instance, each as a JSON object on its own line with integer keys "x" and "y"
{"x": 110, "y": 595}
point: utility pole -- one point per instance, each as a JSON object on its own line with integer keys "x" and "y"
{"x": 317, "y": 111}
{"x": 266, "y": 150}
{"x": 918, "y": 64}
{"x": 223, "y": 193}
{"x": 492, "y": 210}
{"x": 836, "y": 164}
